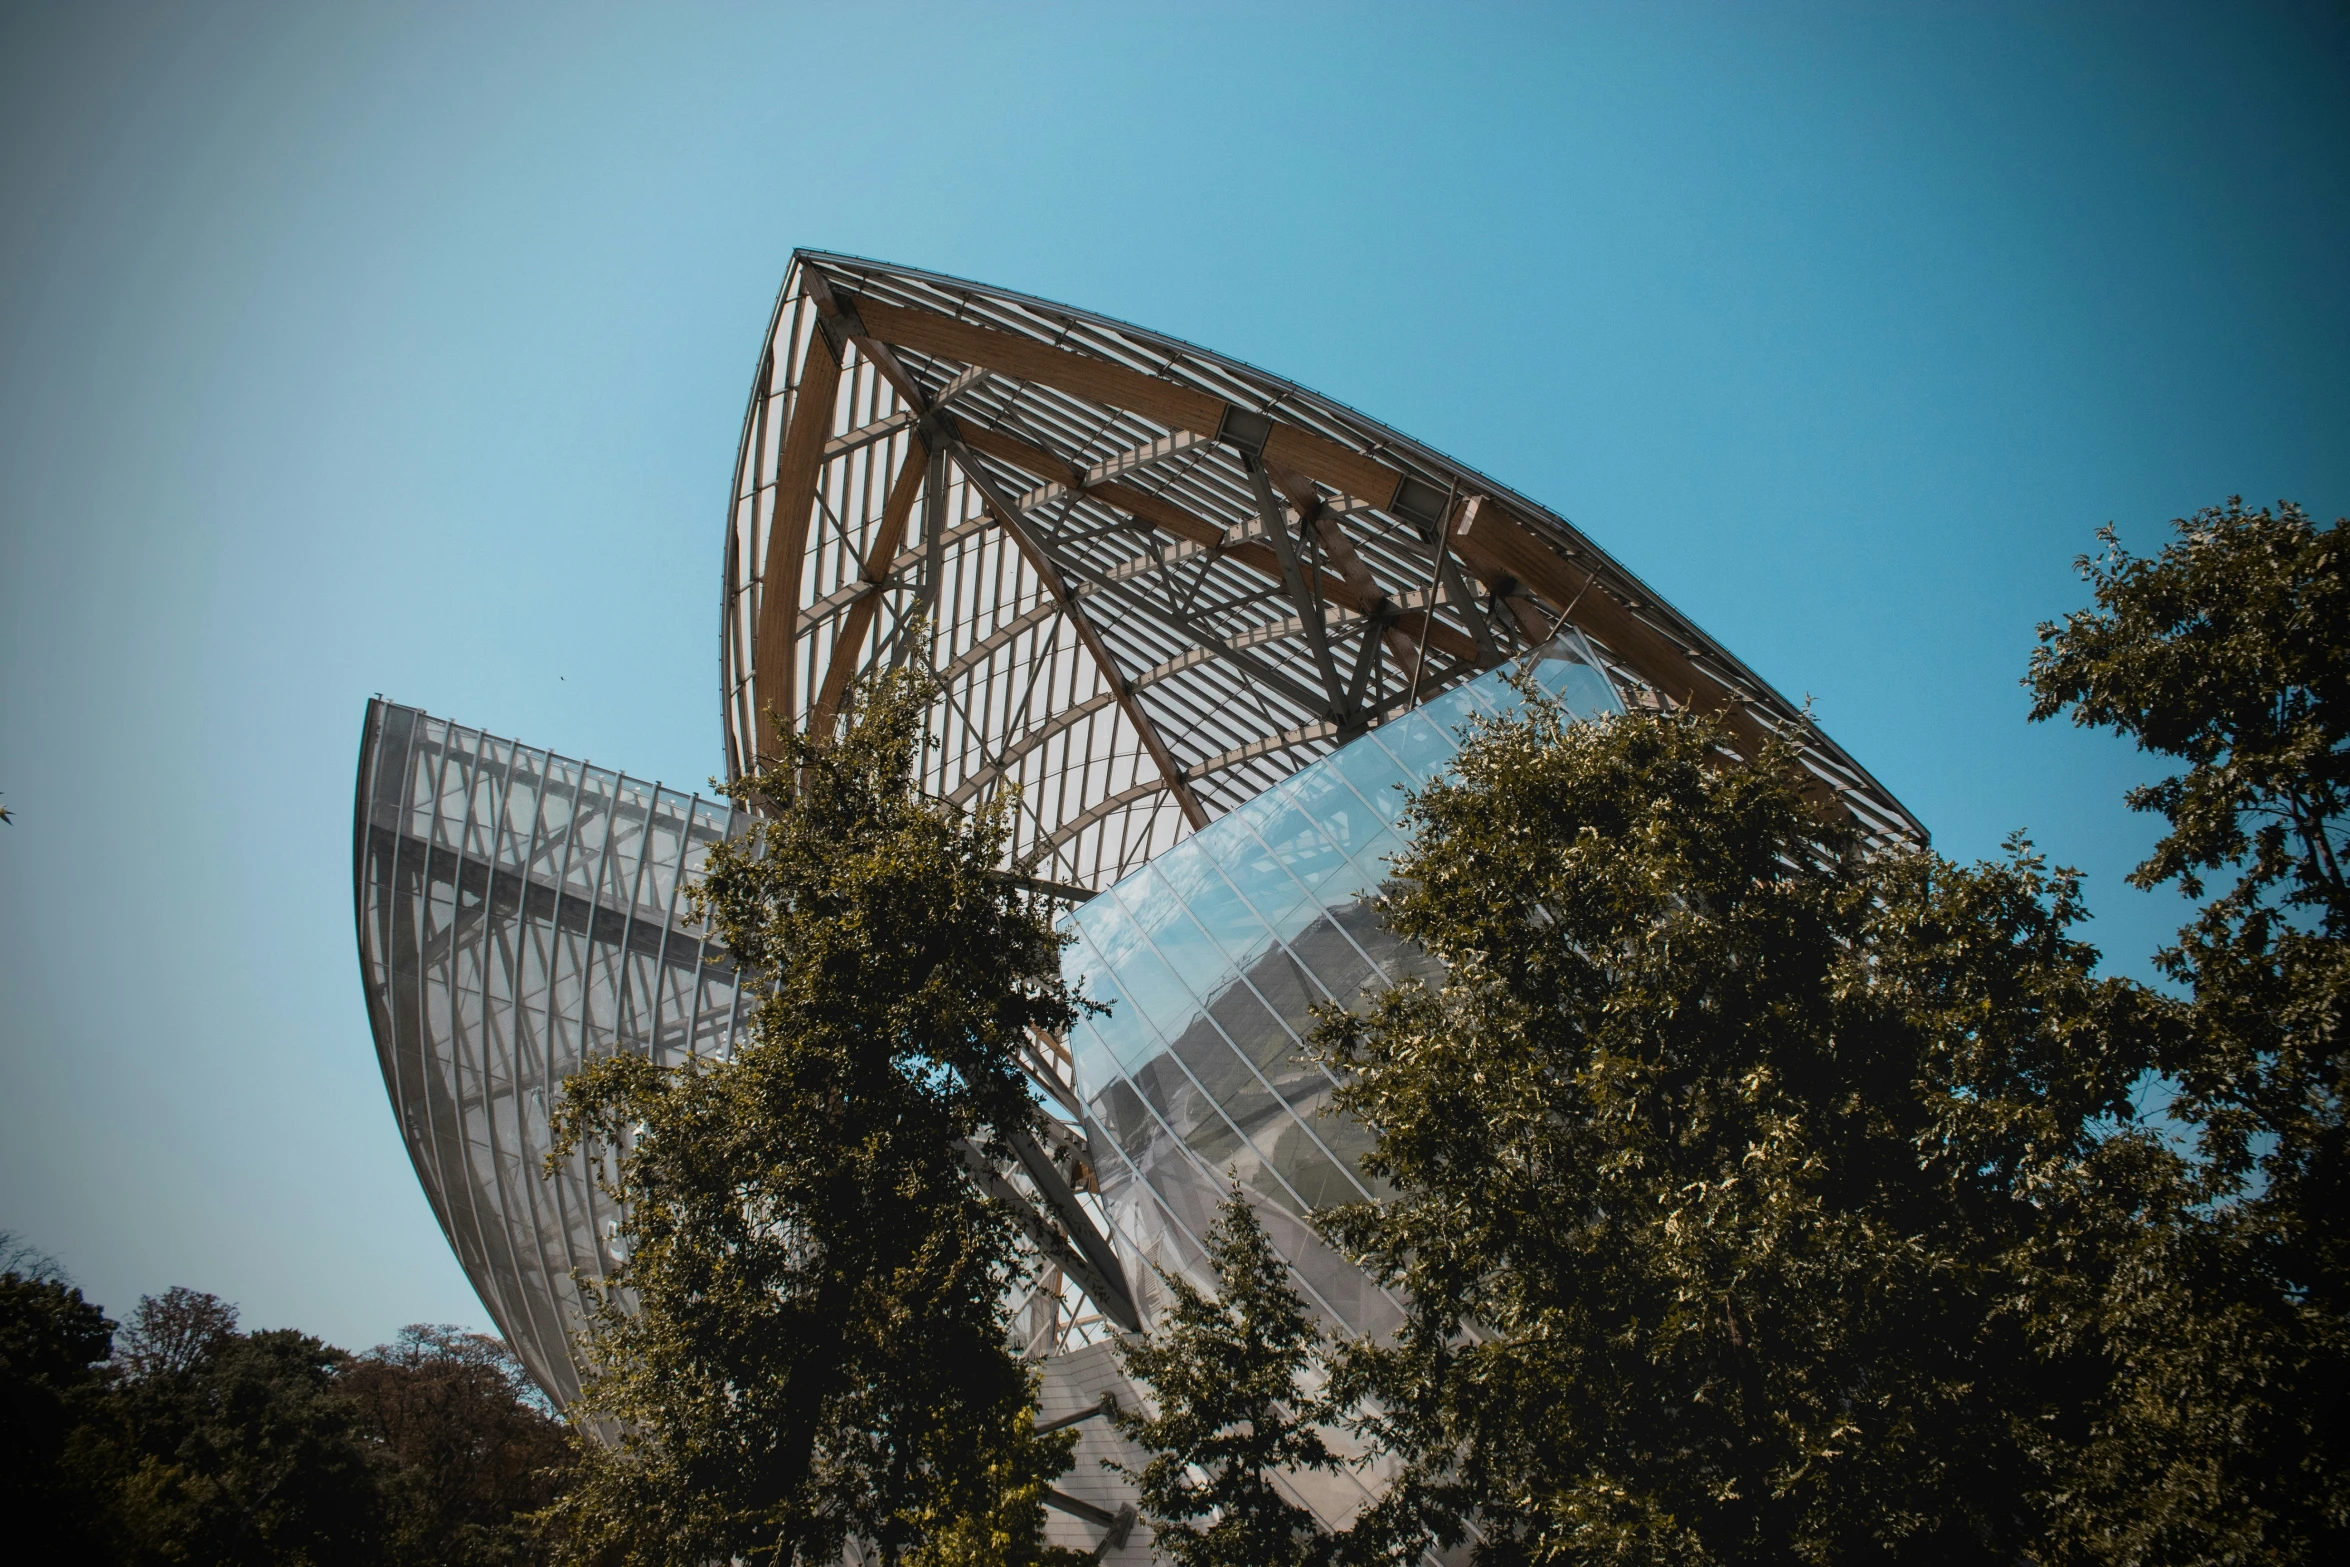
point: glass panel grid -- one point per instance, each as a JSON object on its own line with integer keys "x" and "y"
{"x": 1213, "y": 957}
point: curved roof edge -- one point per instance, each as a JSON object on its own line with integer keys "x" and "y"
{"x": 1254, "y": 572}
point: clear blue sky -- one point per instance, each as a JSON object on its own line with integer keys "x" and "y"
{"x": 405, "y": 349}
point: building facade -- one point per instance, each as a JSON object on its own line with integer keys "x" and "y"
{"x": 1212, "y": 625}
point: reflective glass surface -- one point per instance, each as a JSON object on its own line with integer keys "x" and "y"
{"x": 1211, "y": 959}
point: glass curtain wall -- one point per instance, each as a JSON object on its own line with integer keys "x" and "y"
{"x": 1212, "y": 957}
{"x": 521, "y": 914}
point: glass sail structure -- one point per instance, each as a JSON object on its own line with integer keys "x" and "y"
{"x": 521, "y": 914}
{"x": 1212, "y": 959}
{"x": 1203, "y": 627}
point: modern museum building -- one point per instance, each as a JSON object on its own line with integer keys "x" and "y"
{"x": 1211, "y": 625}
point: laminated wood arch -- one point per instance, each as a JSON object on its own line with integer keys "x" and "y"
{"x": 1154, "y": 580}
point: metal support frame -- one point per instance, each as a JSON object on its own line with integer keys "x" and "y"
{"x": 943, "y": 434}
{"x": 1309, "y": 603}
{"x": 1256, "y": 558}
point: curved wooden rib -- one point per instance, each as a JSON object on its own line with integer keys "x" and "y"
{"x": 1020, "y": 745}
{"x": 1115, "y": 386}
{"x": 1174, "y": 506}
{"x": 776, "y": 650}
{"x": 1256, "y": 556}
{"x": 841, "y": 312}
{"x": 1100, "y": 811}
{"x": 1499, "y": 550}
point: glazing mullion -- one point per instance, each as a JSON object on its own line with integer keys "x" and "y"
{"x": 436, "y": 763}
{"x": 1279, "y": 1099}
{"x": 597, "y": 1219}
{"x": 489, "y": 1232}
{"x": 1168, "y": 1052}
{"x": 415, "y": 1131}
{"x": 515, "y": 1080}
{"x": 693, "y": 1026}
{"x": 1201, "y": 1165}
{"x": 668, "y": 918}
{"x": 581, "y": 1158}
{"x": 636, "y": 889}
{"x": 546, "y": 1089}
{"x": 490, "y": 1235}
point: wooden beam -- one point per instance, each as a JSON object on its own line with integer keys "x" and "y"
{"x": 1025, "y": 359}
{"x": 1305, "y": 734}
{"x": 1167, "y": 516}
{"x": 776, "y": 646}
{"x": 857, "y": 587}
{"x": 1304, "y": 592}
{"x": 1150, "y": 454}
{"x": 1341, "y": 551}
{"x": 866, "y": 435}
{"x": 994, "y": 642}
{"x": 1170, "y": 770}
{"x": 1105, "y": 808}
{"x": 1349, "y": 473}
{"x": 1116, "y": 386}
{"x": 842, "y": 667}
{"x": 1028, "y": 740}
{"x": 1497, "y": 545}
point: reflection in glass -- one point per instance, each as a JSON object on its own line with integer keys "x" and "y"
{"x": 1212, "y": 959}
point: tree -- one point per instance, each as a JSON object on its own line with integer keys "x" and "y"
{"x": 806, "y": 1341}
{"x": 27, "y": 1261}
{"x": 471, "y": 1454}
{"x": 1749, "y": 1182}
{"x": 2229, "y": 652}
{"x": 193, "y": 1442}
{"x": 53, "y": 1348}
{"x": 170, "y": 1333}
{"x": 984, "y": 1505}
{"x": 1229, "y": 1376}
{"x": 251, "y": 1453}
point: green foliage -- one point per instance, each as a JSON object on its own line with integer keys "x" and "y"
{"x": 252, "y": 1454}
{"x": 52, "y": 1346}
{"x": 172, "y": 1332}
{"x": 2229, "y": 652}
{"x": 1748, "y": 1184}
{"x": 199, "y": 1444}
{"x": 805, "y": 1341}
{"x": 985, "y": 1505}
{"x": 1230, "y": 1377}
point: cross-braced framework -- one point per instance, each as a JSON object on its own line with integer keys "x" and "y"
{"x": 1153, "y": 580}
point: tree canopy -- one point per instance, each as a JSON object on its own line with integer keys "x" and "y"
{"x": 1760, "y": 1193}
{"x": 1235, "y": 1411}
{"x": 178, "y": 1439}
{"x": 1740, "y": 1168}
{"x": 2228, "y": 653}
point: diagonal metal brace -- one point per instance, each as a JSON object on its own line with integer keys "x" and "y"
{"x": 1065, "y": 1234}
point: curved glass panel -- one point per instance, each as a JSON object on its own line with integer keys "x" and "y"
{"x": 1212, "y": 958}
{"x": 521, "y": 914}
